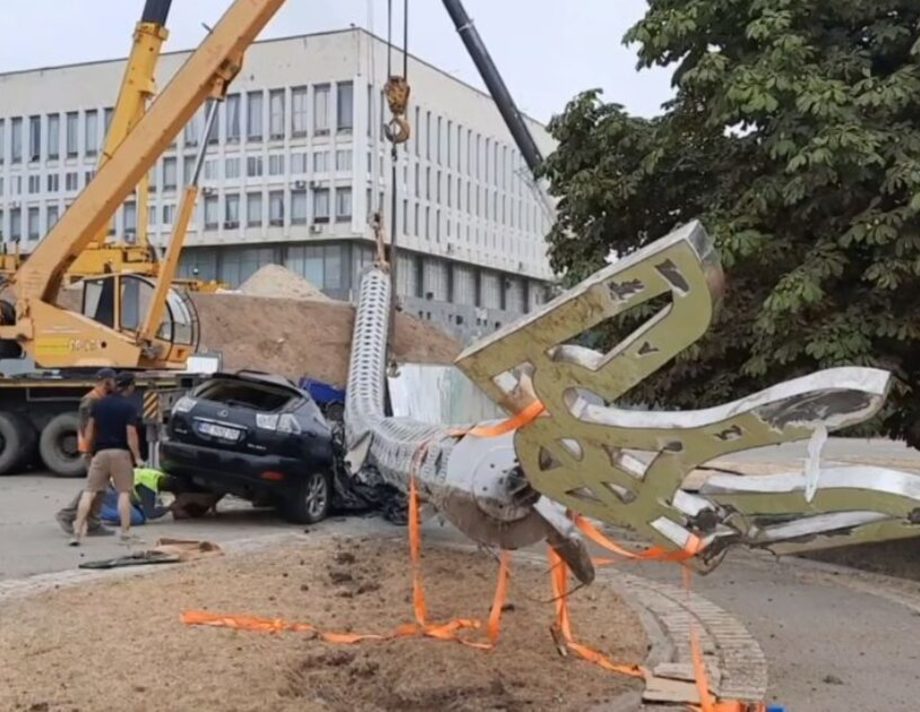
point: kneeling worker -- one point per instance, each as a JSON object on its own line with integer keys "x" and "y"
{"x": 115, "y": 440}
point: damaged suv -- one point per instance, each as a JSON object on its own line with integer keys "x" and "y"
{"x": 255, "y": 436}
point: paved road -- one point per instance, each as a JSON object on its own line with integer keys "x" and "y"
{"x": 834, "y": 640}
{"x": 32, "y": 543}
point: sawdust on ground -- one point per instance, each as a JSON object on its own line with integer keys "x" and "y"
{"x": 280, "y": 282}
{"x": 299, "y": 337}
{"x": 120, "y": 644}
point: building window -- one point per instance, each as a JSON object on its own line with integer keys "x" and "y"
{"x": 231, "y": 211}
{"x": 418, "y": 129}
{"x": 343, "y": 161}
{"x": 299, "y": 112}
{"x": 54, "y": 182}
{"x": 345, "y": 106}
{"x": 440, "y": 141}
{"x": 54, "y": 137}
{"x": 34, "y": 228}
{"x": 188, "y": 168}
{"x": 417, "y": 170}
{"x": 169, "y": 175}
{"x": 428, "y": 135}
{"x": 213, "y": 136}
{"x": 321, "y": 162}
{"x": 232, "y": 168}
{"x": 342, "y": 204}
{"x": 276, "y": 208}
{"x": 254, "y": 116}
{"x": 193, "y": 131}
{"x": 415, "y": 221}
{"x": 298, "y": 163}
{"x": 321, "y": 205}
{"x": 211, "y": 212}
{"x": 129, "y": 221}
{"x": 16, "y": 138}
{"x": 71, "y": 138}
{"x": 91, "y": 135}
{"x": 35, "y": 138}
{"x": 2, "y": 141}
{"x": 298, "y": 207}
{"x": 71, "y": 182}
{"x": 254, "y": 209}
{"x": 405, "y": 216}
{"x": 254, "y": 166}
{"x": 321, "y": 109}
{"x": 211, "y": 171}
{"x": 233, "y": 118}
{"x": 450, "y": 191}
{"x": 35, "y": 185}
{"x": 152, "y": 218}
{"x": 428, "y": 183}
{"x": 52, "y": 215}
{"x": 276, "y": 113}
{"x": 438, "y": 187}
{"x": 169, "y": 214}
{"x": 16, "y": 225}
{"x": 107, "y": 115}
{"x": 276, "y": 164}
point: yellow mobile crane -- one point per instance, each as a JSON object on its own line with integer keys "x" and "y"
{"x": 127, "y": 321}
{"x": 138, "y": 87}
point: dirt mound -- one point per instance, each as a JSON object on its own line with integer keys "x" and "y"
{"x": 349, "y": 585}
{"x": 279, "y": 282}
{"x": 302, "y": 337}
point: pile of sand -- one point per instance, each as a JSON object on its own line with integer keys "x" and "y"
{"x": 121, "y": 645}
{"x": 280, "y": 282}
{"x": 303, "y": 337}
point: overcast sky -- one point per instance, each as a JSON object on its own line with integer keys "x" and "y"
{"x": 547, "y": 50}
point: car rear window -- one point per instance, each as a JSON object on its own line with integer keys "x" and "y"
{"x": 265, "y": 398}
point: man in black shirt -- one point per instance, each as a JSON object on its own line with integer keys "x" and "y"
{"x": 113, "y": 433}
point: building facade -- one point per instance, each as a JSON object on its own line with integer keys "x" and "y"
{"x": 295, "y": 165}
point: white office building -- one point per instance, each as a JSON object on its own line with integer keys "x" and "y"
{"x": 294, "y": 167}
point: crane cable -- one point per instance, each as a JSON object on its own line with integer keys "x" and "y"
{"x": 397, "y": 132}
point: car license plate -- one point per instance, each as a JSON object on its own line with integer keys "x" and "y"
{"x": 219, "y": 431}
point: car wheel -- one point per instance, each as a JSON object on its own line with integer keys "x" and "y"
{"x": 58, "y": 446}
{"x": 310, "y": 502}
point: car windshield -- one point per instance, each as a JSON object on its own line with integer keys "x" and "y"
{"x": 262, "y": 397}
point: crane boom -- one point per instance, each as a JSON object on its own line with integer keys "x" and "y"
{"x": 137, "y": 88}
{"x": 210, "y": 68}
{"x": 496, "y": 85}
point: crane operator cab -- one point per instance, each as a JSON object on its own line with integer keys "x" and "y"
{"x": 121, "y": 302}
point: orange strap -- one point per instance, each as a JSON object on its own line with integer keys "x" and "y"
{"x": 516, "y": 422}
{"x": 656, "y": 553}
{"x": 421, "y": 628}
{"x": 559, "y": 576}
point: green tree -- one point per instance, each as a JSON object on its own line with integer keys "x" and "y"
{"x": 795, "y": 136}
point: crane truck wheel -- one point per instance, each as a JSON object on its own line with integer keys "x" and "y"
{"x": 17, "y": 438}
{"x": 58, "y": 446}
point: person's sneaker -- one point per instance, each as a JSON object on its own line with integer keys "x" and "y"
{"x": 99, "y": 531}
{"x": 129, "y": 538}
{"x": 74, "y": 541}
{"x": 65, "y": 521}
